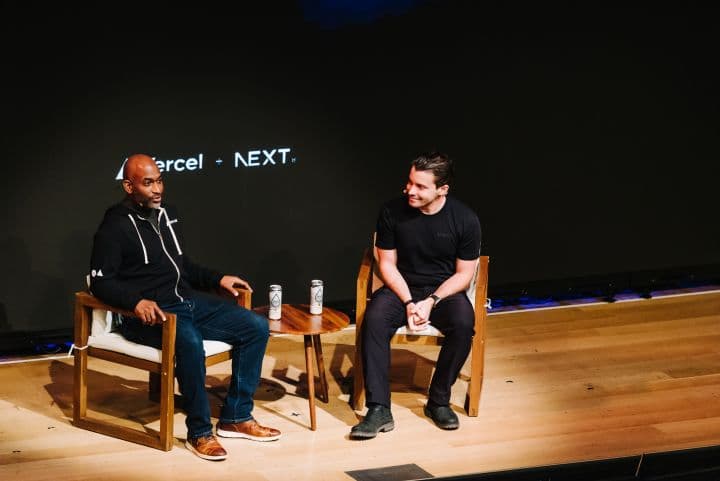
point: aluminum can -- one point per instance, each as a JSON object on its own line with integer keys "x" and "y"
{"x": 275, "y": 302}
{"x": 316, "y": 296}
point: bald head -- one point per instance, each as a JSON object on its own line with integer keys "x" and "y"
{"x": 137, "y": 164}
{"x": 142, "y": 181}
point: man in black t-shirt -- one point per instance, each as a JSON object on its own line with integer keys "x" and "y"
{"x": 428, "y": 245}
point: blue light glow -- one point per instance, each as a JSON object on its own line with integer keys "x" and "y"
{"x": 333, "y": 14}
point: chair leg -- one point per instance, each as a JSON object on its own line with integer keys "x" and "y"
{"x": 358, "y": 396}
{"x": 82, "y": 322}
{"x": 472, "y": 400}
{"x": 80, "y": 387}
{"x": 167, "y": 409}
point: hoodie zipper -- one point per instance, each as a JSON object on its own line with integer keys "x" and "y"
{"x": 162, "y": 243}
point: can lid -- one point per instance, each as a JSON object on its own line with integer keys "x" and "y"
{"x": 275, "y": 287}
{"x": 316, "y": 282}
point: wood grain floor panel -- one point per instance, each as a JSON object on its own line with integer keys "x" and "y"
{"x": 561, "y": 385}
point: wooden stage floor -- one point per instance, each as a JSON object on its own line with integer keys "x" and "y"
{"x": 561, "y": 385}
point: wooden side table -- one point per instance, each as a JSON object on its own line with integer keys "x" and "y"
{"x": 296, "y": 319}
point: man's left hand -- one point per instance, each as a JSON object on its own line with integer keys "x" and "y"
{"x": 423, "y": 308}
{"x": 229, "y": 282}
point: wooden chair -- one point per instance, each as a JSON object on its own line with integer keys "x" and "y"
{"x": 95, "y": 336}
{"x": 368, "y": 281}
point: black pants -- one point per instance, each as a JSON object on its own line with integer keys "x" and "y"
{"x": 453, "y": 316}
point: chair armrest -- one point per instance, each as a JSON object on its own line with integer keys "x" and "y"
{"x": 85, "y": 299}
{"x": 363, "y": 285}
{"x": 243, "y": 299}
{"x": 86, "y": 302}
{"x": 481, "y": 285}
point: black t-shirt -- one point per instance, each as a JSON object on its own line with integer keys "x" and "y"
{"x": 428, "y": 245}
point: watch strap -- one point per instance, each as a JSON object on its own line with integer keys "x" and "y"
{"x": 435, "y": 299}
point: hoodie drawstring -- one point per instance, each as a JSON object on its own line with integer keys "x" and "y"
{"x": 140, "y": 237}
{"x": 172, "y": 231}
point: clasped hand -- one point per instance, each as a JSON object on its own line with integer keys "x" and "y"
{"x": 418, "y": 314}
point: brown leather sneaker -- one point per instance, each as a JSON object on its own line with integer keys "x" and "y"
{"x": 206, "y": 447}
{"x": 247, "y": 430}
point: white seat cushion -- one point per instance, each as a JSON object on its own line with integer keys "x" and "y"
{"x": 104, "y": 336}
{"x": 113, "y": 341}
{"x": 428, "y": 331}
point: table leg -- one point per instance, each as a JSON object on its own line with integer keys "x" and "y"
{"x": 321, "y": 369}
{"x": 310, "y": 379}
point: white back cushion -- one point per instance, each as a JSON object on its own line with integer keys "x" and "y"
{"x": 102, "y": 322}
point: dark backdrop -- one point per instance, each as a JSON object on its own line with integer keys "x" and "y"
{"x": 585, "y": 137}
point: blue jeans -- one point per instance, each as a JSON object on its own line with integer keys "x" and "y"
{"x": 202, "y": 317}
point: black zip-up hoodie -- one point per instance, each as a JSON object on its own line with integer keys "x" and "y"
{"x": 135, "y": 258}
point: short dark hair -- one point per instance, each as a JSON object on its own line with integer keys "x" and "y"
{"x": 439, "y": 164}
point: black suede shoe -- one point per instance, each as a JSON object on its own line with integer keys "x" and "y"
{"x": 378, "y": 419}
{"x": 442, "y": 416}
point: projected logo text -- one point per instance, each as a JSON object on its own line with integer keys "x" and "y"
{"x": 268, "y": 157}
{"x": 251, "y": 158}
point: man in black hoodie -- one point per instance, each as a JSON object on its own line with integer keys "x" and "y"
{"x": 138, "y": 264}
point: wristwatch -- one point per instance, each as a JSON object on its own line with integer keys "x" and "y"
{"x": 435, "y": 299}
